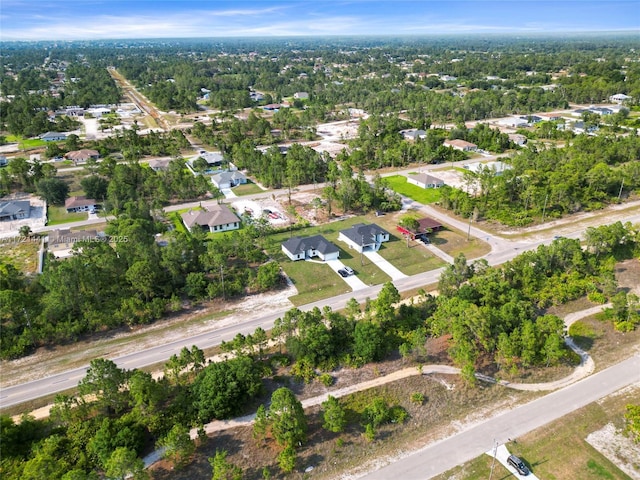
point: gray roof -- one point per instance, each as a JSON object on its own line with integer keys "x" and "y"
{"x": 362, "y": 234}
{"x": 296, "y": 245}
{"x": 224, "y": 177}
{"x": 67, "y": 236}
{"x": 215, "y": 215}
{"x": 9, "y": 209}
{"x": 426, "y": 178}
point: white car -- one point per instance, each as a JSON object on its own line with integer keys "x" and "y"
{"x": 349, "y": 270}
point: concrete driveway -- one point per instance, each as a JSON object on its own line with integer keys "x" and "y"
{"x": 384, "y": 265}
{"x": 502, "y": 454}
{"x": 353, "y": 281}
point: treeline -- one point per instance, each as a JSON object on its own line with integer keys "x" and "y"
{"x": 125, "y": 280}
{"x": 27, "y": 113}
{"x": 489, "y": 315}
{"x": 588, "y": 174}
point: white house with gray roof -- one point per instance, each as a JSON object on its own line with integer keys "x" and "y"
{"x": 228, "y": 179}
{"x": 424, "y": 180}
{"x": 361, "y": 237}
{"x": 298, "y": 248}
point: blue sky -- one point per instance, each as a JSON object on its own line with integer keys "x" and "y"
{"x": 100, "y": 19}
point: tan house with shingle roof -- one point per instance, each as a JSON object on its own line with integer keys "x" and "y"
{"x": 81, "y": 156}
{"x": 216, "y": 218}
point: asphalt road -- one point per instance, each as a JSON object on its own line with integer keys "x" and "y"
{"x": 502, "y": 251}
{"x": 473, "y": 442}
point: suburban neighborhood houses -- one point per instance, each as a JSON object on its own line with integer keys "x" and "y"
{"x": 319, "y": 257}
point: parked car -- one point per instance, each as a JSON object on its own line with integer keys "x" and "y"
{"x": 349, "y": 270}
{"x": 343, "y": 273}
{"x": 518, "y": 464}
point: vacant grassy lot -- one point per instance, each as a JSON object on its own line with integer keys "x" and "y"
{"x": 59, "y": 215}
{"x": 314, "y": 281}
{"x": 422, "y": 195}
{"x": 248, "y": 188}
{"x": 22, "y": 253}
{"x": 27, "y": 143}
{"x": 454, "y": 243}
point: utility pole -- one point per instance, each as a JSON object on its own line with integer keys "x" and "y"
{"x": 544, "y": 209}
{"x": 620, "y": 192}
{"x": 222, "y": 280}
{"x": 495, "y": 452}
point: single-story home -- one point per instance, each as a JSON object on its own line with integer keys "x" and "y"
{"x": 424, "y": 180}
{"x": 81, "y": 156}
{"x": 461, "y": 145}
{"x": 61, "y": 241}
{"x": 80, "y": 204}
{"x": 425, "y": 225}
{"x": 413, "y": 134}
{"x": 513, "y": 122}
{"x": 498, "y": 167}
{"x": 517, "y": 138}
{"x": 159, "y": 165}
{"x": 301, "y": 95}
{"x": 298, "y": 248}
{"x": 619, "y": 98}
{"x": 363, "y": 237}
{"x": 15, "y": 210}
{"x": 228, "y": 179}
{"x": 53, "y": 137}
{"x": 216, "y": 218}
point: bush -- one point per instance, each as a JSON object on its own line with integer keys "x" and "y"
{"x": 417, "y": 397}
{"x": 326, "y": 379}
{"x": 597, "y": 297}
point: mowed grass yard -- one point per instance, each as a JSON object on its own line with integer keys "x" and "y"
{"x": 307, "y": 276}
{"x": 559, "y": 450}
{"x": 59, "y": 215}
{"x": 248, "y": 188}
{"x": 422, "y": 195}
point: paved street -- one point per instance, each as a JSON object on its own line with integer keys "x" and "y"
{"x": 445, "y": 454}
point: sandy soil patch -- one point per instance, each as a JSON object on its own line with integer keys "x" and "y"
{"x": 618, "y": 448}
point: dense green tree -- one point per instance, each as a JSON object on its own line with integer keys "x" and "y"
{"x": 288, "y": 422}
{"x": 334, "y": 415}
{"x": 53, "y": 190}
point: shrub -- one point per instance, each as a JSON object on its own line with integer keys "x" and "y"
{"x": 417, "y": 397}
{"x": 326, "y": 379}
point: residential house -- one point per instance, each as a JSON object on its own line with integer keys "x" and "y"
{"x": 461, "y": 145}
{"x": 298, "y": 248}
{"x": 517, "y": 138}
{"x": 498, "y": 167}
{"x": 81, "y": 156}
{"x": 215, "y": 218}
{"x": 60, "y": 242}
{"x": 14, "y": 210}
{"x": 425, "y": 225}
{"x": 619, "y": 98}
{"x": 80, "y": 204}
{"x": 159, "y": 165}
{"x": 551, "y": 117}
{"x": 301, "y": 95}
{"x": 413, "y": 134}
{"x": 424, "y": 180}
{"x": 53, "y": 137}
{"x": 514, "y": 122}
{"x": 363, "y": 237}
{"x": 228, "y": 179}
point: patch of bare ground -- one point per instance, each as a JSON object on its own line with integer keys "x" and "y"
{"x": 618, "y": 448}
{"x": 449, "y": 406}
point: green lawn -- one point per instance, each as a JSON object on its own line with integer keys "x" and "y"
{"x": 58, "y": 215}
{"x": 27, "y": 143}
{"x": 248, "y": 188}
{"x": 422, "y": 195}
{"x": 314, "y": 281}
{"x": 410, "y": 261}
